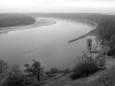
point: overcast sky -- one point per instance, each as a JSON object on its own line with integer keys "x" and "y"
{"x": 57, "y": 5}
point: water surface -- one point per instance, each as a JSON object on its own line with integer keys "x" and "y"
{"x": 47, "y": 44}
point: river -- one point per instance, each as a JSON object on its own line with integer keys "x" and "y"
{"x": 47, "y": 44}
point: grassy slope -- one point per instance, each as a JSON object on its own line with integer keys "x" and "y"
{"x": 101, "y": 78}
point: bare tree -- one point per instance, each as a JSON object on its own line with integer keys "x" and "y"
{"x": 34, "y": 69}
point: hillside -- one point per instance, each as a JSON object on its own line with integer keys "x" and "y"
{"x": 100, "y": 78}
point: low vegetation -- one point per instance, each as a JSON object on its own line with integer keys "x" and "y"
{"x": 32, "y": 75}
{"x": 83, "y": 69}
{"x": 14, "y": 76}
{"x": 107, "y": 79}
{"x": 14, "y": 80}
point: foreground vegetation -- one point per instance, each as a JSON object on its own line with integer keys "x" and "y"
{"x": 32, "y": 74}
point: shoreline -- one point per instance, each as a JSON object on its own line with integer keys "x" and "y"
{"x": 90, "y": 33}
{"x": 39, "y": 22}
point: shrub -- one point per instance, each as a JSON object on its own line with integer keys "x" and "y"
{"x": 3, "y": 66}
{"x": 34, "y": 70}
{"x": 3, "y": 69}
{"x": 14, "y": 77}
{"x": 14, "y": 80}
{"x": 54, "y": 70}
{"x": 83, "y": 70}
{"x": 111, "y": 52}
{"x": 66, "y": 71}
{"x": 35, "y": 83}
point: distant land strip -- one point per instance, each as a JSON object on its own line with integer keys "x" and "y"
{"x": 37, "y": 23}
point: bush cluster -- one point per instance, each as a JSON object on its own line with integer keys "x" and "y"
{"x": 84, "y": 69}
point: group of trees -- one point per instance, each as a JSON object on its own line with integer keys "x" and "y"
{"x": 31, "y": 75}
{"x": 15, "y": 76}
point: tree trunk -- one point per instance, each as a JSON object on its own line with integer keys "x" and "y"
{"x": 38, "y": 77}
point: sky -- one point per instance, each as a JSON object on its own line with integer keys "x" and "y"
{"x": 57, "y": 6}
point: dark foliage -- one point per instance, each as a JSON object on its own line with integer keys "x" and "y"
{"x": 66, "y": 71}
{"x": 3, "y": 69}
{"x": 111, "y": 52}
{"x": 14, "y": 80}
{"x": 3, "y": 66}
{"x": 107, "y": 79}
{"x": 83, "y": 70}
{"x": 54, "y": 70}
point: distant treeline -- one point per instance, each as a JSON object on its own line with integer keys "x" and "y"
{"x": 8, "y": 20}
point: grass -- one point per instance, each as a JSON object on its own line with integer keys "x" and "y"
{"x": 107, "y": 79}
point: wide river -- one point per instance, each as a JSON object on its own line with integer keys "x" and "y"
{"x": 47, "y": 44}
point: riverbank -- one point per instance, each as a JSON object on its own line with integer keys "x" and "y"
{"x": 90, "y": 33}
{"x": 38, "y": 23}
